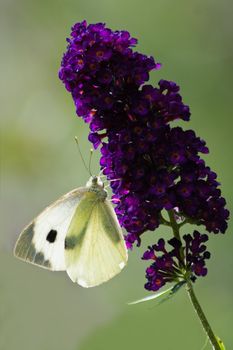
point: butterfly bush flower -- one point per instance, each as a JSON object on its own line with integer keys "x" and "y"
{"x": 155, "y": 167}
{"x": 178, "y": 264}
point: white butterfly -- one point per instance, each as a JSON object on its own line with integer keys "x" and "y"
{"x": 78, "y": 233}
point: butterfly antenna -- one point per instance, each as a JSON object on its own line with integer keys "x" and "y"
{"x": 89, "y": 163}
{"x": 101, "y": 174}
{"x": 112, "y": 180}
{"x": 80, "y": 153}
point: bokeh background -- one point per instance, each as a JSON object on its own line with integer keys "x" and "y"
{"x": 40, "y": 310}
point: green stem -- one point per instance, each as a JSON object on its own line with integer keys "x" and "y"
{"x": 174, "y": 225}
{"x": 202, "y": 317}
{"x": 205, "y": 324}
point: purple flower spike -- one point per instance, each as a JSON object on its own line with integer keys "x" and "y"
{"x": 179, "y": 264}
{"x": 105, "y": 78}
{"x": 158, "y": 166}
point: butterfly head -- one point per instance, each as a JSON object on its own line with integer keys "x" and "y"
{"x": 95, "y": 184}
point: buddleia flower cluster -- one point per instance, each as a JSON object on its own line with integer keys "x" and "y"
{"x": 178, "y": 264}
{"x": 156, "y": 167}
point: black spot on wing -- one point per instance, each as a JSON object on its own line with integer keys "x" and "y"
{"x": 40, "y": 260}
{"x": 37, "y": 257}
{"x": 51, "y": 237}
{"x": 72, "y": 241}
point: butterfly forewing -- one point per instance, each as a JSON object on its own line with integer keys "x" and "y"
{"x": 42, "y": 241}
{"x": 95, "y": 249}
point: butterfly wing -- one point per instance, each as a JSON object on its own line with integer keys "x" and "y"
{"x": 42, "y": 241}
{"x": 95, "y": 250}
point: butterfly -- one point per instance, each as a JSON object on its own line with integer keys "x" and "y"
{"x": 78, "y": 233}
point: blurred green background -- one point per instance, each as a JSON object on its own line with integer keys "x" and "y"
{"x": 40, "y": 310}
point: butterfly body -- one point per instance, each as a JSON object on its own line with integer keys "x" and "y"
{"x": 78, "y": 233}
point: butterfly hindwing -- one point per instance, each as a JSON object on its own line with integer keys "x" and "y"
{"x": 95, "y": 249}
{"x": 42, "y": 241}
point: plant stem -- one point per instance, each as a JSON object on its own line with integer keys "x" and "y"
{"x": 205, "y": 324}
{"x": 174, "y": 225}
{"x": 202, "y": 317}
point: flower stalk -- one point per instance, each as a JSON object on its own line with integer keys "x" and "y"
{"x": 205, "y": 324}
{"x": 174, "y": 225}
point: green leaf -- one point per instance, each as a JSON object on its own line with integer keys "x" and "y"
{"x": 151, "y": 297}
{"x": 173, "y": 291}
{"x": 220, "y": 342}
{"x": 168, "y": 293}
